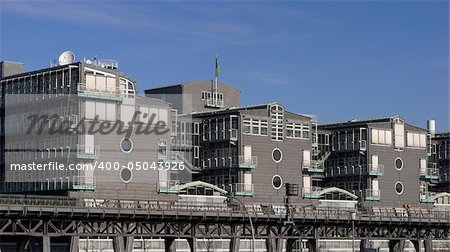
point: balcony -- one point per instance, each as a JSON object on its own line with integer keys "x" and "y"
{"x": 311, "y": 192}
{"x": 246, "y": 162}
{"x": 372, "y": 195}
{"x": 95, "y": 93}
{"x": 312, "y": 166}
{"x": 429, "y": 174}
{"x": 374, "y": 170}
{"x": 87, "y": 152}
{"x": 427, "y": 197}
{"x": 169, "y": 186}
{"x": 241, "y": 189}
{"x": 82, "y": 183}
{"x": 355, "y": 170}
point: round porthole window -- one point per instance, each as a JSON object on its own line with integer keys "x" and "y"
{"x": 126, "y": 175}
{"x": 277, "y": 155}
{"x": 277, "y": 182}
{"x": 126, "y": 145}
{"x": 399, "y": 187}
{"x": 398, "y": 163}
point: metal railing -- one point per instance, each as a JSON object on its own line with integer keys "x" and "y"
{"x": 370, "y": 169}
{"x": 102, "y": 93}
{"x": 427, "y": 197}
{"x": 311, "y": 192}
{"x": 312, "y": 166}
{"x": 254, "y": 209}
{"x": 429, "y": 173}
{"x": 242, "y": 189}
{"x": 372, "y": 195}
{"x": 169, "y": 186}
{"x": 87, "y": 152}
{"x": 246, "y": 162}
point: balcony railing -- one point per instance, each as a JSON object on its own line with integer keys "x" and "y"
{"x": 311, "y": 192}
{"x": 429, "y": 174}
{"x": 374, "y": 170}
{"x": 426, "y": 197}
{"x": 312, "y": 166}
{"x": 97, "y": 93}
{"x": 87, "y": 152}
{"x": 368, "y": 170}
{"x": 242, "y": 189}
{"x": 169, "y": 186}
{"x": 372, "y": 195}
{"x": 246, "y": 162}
{"x": 86, "y": 183}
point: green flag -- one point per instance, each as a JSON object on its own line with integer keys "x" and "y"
{"x": 217, "y": 67}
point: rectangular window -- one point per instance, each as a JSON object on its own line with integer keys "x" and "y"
{"x": 382, "y": 137}
{"x": 416, "y": 140}
{"x": 247, "y": 126}
{"x": 196, "y": 128}
{"x": 257, "y": 127}
{"x": 196, "y": 151}
{"x": 297, "y": 131}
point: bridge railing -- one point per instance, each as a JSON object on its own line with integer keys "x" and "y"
{"x": 300, "y": 211}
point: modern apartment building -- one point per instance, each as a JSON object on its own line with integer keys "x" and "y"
{"x": 382, "y": 161}
{"x": 116, "y": 165}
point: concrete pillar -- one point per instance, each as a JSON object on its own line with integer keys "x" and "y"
{"x": 123, "y": 244}
{"x": 428, "y": 244}
{"x": 118, "y": 245}
{"x": 46, "y": 244}
{"x": 396, "y": 245}
{"x": 313, "y": 245}
{"x": 169, "y": 244}
{"x": 416, "y": 244}
{"x": 234, "y": 244}
{"x": 363, "y": 244}
{"x": 192, "y": 244}
{"x": 74, "y": 244}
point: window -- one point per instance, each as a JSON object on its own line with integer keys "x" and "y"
{"x": 126, "y": 175}
{"x": 196, "y": 151}
{"x": 257, "y": 127}
{"x": 382, "y": 137}
{"x": 206, "y": 95}
{"x": 126, "y": 145}
{"x": 399, "y": 187}
{"x": 297, "y": 130}
{"x": 277, "y": 117}
{"x": 398, "y": 163}
{"x": 416, "y": 140}
{"x": 277, "y": 155}
{"x": 277, "y": 182}
{"x": 196, "y": 128}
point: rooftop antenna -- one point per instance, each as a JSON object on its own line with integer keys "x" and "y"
{"x": 66, "y": 57}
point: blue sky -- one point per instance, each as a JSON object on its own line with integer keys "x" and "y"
{"x": 336, "y": 59}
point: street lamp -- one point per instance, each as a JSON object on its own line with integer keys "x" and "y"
{"x": 249, "y": 218}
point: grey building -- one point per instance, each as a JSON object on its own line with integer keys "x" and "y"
{"x": 438, "y": 164}
{"x": 379, "y": 160}
{"x": 110, "y": 165}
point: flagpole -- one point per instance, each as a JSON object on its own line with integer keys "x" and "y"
{"x": 215, "y": 81}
